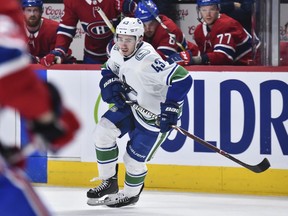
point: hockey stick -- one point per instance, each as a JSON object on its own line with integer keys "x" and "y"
{"x": 261, "y": 167}
{"x": 163, "y": 25}
{"x": 105, "y": 18}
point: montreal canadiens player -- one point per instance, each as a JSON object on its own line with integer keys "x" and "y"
{"x": 97, "y": 33}
{"x": 163, "y": 42}
{"x": 39, "y": 103}
{"x": 41, "y": 32}
{"x": 137, "y": 71}
{"x": 221, "y": 39}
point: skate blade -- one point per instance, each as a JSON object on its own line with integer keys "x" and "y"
{"x": 101, "y": 201}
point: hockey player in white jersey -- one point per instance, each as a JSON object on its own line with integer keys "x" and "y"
{"x": 137, "y": 71}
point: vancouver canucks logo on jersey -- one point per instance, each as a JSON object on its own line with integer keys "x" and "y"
{"x": 141, "y": 53}
{"x": 97, "y": 30}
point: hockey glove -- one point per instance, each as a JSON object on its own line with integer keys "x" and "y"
{"x": 54, "y": 57}
{"x": 183, "y": 58}
{"x": 34, "y": 59}
{"x": 168, "y": 116}
{"x": 61, "y": 129}
{"x": 112, "y": 91}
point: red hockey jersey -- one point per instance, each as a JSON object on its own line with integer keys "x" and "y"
{"x": 97, "y": 33}
{"x": 227, "y": 42}
{"x": 165, "y": 44}
{"x": 19, "y": 86}
{"x": 43, "y": 41}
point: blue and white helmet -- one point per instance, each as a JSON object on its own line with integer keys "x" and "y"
{"x": 207, "y": 2}
{"x": 147, "y": 11}
{"x": 32, "y": 3}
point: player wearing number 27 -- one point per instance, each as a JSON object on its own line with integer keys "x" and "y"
{"x": 221, "y": 39}
{"x": 135, "y": 70}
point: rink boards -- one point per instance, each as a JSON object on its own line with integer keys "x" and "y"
{"x": 243, "y": 112}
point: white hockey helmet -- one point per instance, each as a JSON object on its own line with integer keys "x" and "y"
{"x": 131, "y": 26}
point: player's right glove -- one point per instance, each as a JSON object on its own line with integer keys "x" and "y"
{"x": 58, "y": 130}
{"x": 112, "y": 90}
{"x": 168, "y": 116}
{"x": 34, "y": 59}
{"x": 183, "y": 58}
{"x": 54, "y": 57}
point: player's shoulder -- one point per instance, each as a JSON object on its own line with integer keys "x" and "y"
{"x": 115, "y": 54}
{"x": 49, "y": 26}
{"x": 226, "y": 23}
{"x": 50, "y": 22}
{"x": 198, "y": 27}
{"x": 171, "y": 25}
{"x": 146, "y": 52}
{"x": 10, "y": 13}
{"x": 198, "y": 32}
{"x": 75, "y": 3}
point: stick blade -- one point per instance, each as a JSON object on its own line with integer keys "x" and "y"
{"x": 261, "y": 167}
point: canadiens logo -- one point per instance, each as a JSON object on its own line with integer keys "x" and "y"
{"x": 99, "y": 30}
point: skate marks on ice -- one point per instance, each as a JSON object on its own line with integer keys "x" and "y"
{"x": 72, "y": 202}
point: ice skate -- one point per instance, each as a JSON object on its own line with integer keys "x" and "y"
{"x": 108, "y": 186}
{"x": 119, "y": 199}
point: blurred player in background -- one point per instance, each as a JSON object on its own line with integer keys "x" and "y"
{"x": 221, "y": 39}
{"x": 165, "y": 41}
{"x": 97, "y": 33}
{"x": 38, "y": 103}
{"x": 134, "y": 71}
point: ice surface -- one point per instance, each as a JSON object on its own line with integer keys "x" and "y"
{"x": 72, "y": 201}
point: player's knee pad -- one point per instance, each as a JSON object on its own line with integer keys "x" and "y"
{"x": 133, "y": 166}
{"x": 105, "y": 134}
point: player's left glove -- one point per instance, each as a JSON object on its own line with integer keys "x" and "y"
{"x": 168, "y": 116}
{"x": 183, "y": 58}
{"x": 54, "y": 57}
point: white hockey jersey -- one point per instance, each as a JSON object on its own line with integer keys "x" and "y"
{"x": 149, "y": 77}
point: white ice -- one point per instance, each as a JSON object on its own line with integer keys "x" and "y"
{"x": 72, "y": 201}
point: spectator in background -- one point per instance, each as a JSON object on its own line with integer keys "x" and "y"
{"x": 221, "y": 39}
{"x": 41, "y": 32}
{"x": 165, "y": 41}
{"x": 240, "y": 10}
{"x": 97, "y": 33}
{"x": 39, "y": 103}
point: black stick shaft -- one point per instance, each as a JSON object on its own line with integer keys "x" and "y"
{"x": 261, "y": 167}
